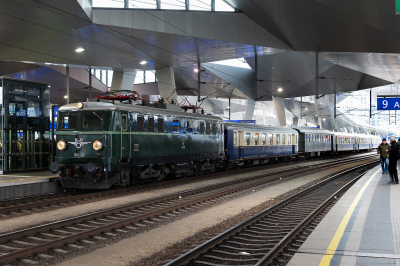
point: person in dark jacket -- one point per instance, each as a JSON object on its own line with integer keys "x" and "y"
{"x": 393, "y": 156}
{"x": 382, "y": 151}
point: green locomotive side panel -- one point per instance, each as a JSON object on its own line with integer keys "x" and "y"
{"x": 125, "y": 136}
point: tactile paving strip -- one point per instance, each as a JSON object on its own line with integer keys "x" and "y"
{"x": 348, "y": 253}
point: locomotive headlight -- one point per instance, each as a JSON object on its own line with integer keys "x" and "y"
{"x": 62, "y": 145}
{"x": 80, "y": 105}
{"x": 97, "y": 145}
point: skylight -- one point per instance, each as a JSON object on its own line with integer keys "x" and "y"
{"x": 239, "y": 62}
{"x": 201, "y": 5}
{"x": 221, "y": 5}
{"x": 108, "y": 3}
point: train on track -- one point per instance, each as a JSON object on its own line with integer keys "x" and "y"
{"x": 102, "y": 145}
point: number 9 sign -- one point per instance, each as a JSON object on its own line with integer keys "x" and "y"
{"x": 385, "y": 103}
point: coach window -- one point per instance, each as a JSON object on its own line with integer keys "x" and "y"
{"x": 256, "y": 135}
{"x": 284, "y": 139}
{"x": 175, "y": 126}
{"x": 247, "y": 138}
{"x": 295, "y": 138}
{"x": 264, "y": 139}
{"x": 234, "y": 138}
{"x": 270, "y": 139}
{"x": 150, "y": 123}
{"x": 278, "y": 139}
{"x": 289, "y": 140}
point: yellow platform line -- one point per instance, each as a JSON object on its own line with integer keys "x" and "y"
{"x": 27, "y": 178}
{"x": 326, "y": 259}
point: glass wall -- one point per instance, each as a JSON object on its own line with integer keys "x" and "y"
{"x": 25, "y": 125}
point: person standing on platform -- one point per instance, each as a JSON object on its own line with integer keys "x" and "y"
{"x": 383, "y": 150}
{"x": 398, "y": 143}
{"x": 393, "y": 157}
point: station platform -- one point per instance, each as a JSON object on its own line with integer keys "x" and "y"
{"x": 363, "y": 228}
{"x": 27, "y": 184}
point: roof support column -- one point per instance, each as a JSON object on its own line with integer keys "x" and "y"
{"x": 126, "y": 3}
{"x": 334, "y": 106}
{"x": 250, "y": 104}
{"x": 67, "y": 75}
{"x": 166, "y": 83}
{"x": 187, "y": 4}
{"x": 90, "y": 85}
{"x": 280, "y": 110}
{"x": 316, "y": 77}
{"x": 255, "y": 72}
{"x": 123, "y": 81}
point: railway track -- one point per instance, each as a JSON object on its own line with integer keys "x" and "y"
{"x": 65, "y": 199}
{"x": 87, "y": 228}
{"x": 273, "y": 236}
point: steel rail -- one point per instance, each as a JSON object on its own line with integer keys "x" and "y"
{"x": 203, "y": 248}
{"x": 52, "y": 199}
{"x": 107, "y": 227}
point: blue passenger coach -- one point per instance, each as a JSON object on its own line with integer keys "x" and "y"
{"x": 254, "y": 144}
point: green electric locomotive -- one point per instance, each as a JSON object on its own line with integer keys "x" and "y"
{"x": 100, "y": 145}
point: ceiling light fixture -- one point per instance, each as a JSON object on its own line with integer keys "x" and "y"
{"x": 65, "y": 96}
{"x": 80, "y": 50}
{"x": 324, "y": 119}
{"x": 306, "y": 108}
{"x": 280, "y": 89}
{"x": 143, "y": 62}
{"x": 196, "y": 70}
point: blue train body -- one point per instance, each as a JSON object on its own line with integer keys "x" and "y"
{"x": 258, "y": 144}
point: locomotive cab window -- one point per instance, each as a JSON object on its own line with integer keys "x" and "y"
{"x": 124, "y": 122}
{"x": 69, "y": 122}
{"x": 175, "y": 126}
{"x": 93, "y": 121}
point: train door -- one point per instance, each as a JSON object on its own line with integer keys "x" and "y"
{"x": 294, "y": 143}
{"x": 125, "y": 136}
{"x": 242, "y": 143}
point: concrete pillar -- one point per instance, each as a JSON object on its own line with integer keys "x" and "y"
{"x": 251, "y": 103}
{"x": 166, "y": 83}
{"x": 67, "y": 75}
{"x": 123, "y": 80}
{"x": 280, "y": 110}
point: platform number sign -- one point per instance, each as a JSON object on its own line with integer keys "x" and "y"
{"x": 388, "y": 104}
